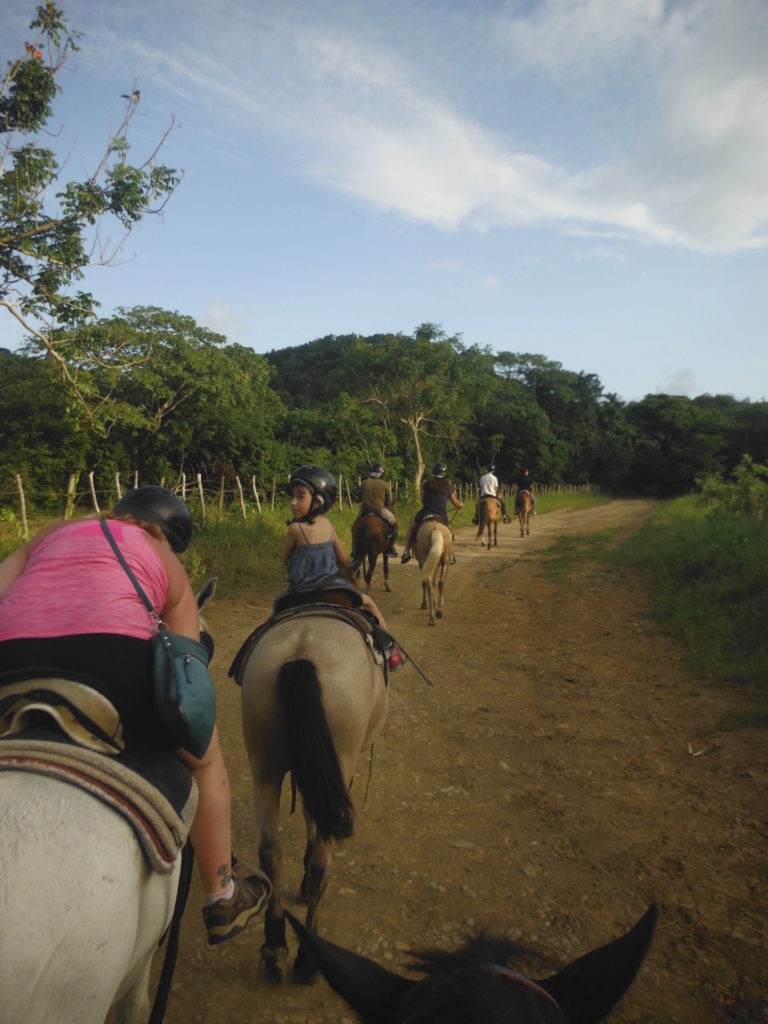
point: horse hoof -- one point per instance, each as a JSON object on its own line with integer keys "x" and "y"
{"x": 274, "y": 963}
{"x": 439, "y": 615}
{"x": 431, "y": 622}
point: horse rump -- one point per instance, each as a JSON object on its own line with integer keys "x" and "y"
{"x": 311, "y": 753}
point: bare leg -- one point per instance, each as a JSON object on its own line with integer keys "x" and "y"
{"x": 211, "y": 831}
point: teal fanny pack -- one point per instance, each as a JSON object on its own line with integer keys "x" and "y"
{"x": 184, "y": 691}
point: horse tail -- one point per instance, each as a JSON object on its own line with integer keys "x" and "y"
{"x": 361, "y": 543}
{"x": 312, "y": 755}
{"x": 435, "y": 553}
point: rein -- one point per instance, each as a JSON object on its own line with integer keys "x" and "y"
{"x": 520, "y": 979}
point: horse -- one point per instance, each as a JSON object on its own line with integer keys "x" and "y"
{"x": 82, "y": 910}
{"x": 488, "y": 516}
{"x": 313, "y": 697}
{"x": 369, "y": 540}
{"x": 433, "y": 547}
{"x": 523, "y": 509}
{"x": 476, "y": 983}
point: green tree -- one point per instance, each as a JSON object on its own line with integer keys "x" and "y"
{"x": 49, "y": 227}
{"x": 181, "y": 396}
{"x": 678, "y": 442}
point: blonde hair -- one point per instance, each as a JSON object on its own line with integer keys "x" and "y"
{"x": 151, "y": 528}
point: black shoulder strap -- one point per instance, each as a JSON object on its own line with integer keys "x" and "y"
{"x": 113, "y": 543}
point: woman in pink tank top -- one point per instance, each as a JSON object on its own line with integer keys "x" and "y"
{"x": 68, "y": 609}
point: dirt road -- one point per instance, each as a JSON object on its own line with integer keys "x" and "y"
{"x": 564, "y": 772}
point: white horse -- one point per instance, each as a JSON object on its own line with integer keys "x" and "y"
{"x": 81, "y": 910}
{"x": 313, "y": 698}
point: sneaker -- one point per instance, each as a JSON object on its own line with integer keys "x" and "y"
{"x": 474, "y": 521}
{"x": 453, "y": 559}
{"x": 391, "y": 553}
{"x": 507, "y": 519}
{"x": 405, "y": 557}
{"x": 253, "y": 877}
{"x": 395, "y": 660}
{"x": 227, "y": 918}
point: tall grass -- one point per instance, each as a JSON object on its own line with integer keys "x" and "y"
{"x": 707, "y": 578}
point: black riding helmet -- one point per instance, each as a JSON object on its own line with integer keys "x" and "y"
{"x": 376, "y": 470}
{"x": 439, "y": 469}
{"x": 321, "y": 485}
{"x": 152, "y": 504}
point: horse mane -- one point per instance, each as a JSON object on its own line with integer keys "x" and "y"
{"x": 477, "y": 950}
{"x": 460, "y": 987}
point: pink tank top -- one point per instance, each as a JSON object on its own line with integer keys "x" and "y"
{"x": 73, "y": 583}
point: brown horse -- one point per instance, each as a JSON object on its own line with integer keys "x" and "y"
{"x": 488, "y": 516}
{"x": 369, "y": 540}
{"x": 523, "y": 509}
{"x": 433, "y": 548}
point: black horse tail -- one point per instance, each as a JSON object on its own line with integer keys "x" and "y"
{"x": 311, "y": 753}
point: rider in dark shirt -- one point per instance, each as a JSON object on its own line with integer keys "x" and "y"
{"x": 435, "y": 495}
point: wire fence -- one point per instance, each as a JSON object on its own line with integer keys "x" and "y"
{"x": 225, "y": 493}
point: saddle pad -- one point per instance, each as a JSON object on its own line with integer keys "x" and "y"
{"x": 151, "y": 788}
{"x": 85, "y": 715}
{"x": 360, "y": 621}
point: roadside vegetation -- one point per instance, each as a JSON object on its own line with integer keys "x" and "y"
{"x": 706, "y": 559}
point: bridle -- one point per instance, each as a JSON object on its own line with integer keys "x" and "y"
{"x": 520, "y": 979}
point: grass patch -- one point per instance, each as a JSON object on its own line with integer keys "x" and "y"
{"x": 570, "y": 550}
{"x": 707, "y": 580}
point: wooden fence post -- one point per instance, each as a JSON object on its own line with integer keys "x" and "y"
{"x": 256, "y": 494}
{"x": 70, "y": 495}
{"x": 117, "y": 486}
{"x": 93, "y": 493}
{"x": 135, "y": 478}
{"x": 274, "y": 488}
{"x": 202, "y": 496}
{"x": 242, "y": 499}
{"x": 221, "y": 497}
{"x": 23, "y": 507}
{"x": 184, "y": 487}
{"x": 349, "y": 496}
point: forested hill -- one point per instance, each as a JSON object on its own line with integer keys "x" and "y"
{"x": 159, "y": 395}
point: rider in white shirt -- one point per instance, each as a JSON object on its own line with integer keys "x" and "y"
{"x": 489, "y": 485}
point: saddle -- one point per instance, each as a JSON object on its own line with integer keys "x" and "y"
{"x": 335, "y": 590}
{"x": 376, "y": 638}
{"x": 67, "y": 730}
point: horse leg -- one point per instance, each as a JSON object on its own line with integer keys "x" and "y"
{"x": 440, "y": 586}
{"x": 369, "y": 575}
{"x": 317, "y": 870}
{"x": 274, "y": 951}
{"x": 432, "y": 601}
{"x": 133, "y": 1006}
{"x": 385, "y": 565}
{"x": 424, "y": 589}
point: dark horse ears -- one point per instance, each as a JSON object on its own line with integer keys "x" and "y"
{"x": 586, "y": 990}
{"x": 373, "y": 992}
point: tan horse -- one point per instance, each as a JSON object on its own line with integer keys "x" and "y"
{"x": 488, "y": 518}
{"x": 313, "y": 697}
{"x": 523, "y": 509}
{"x": 433, "y": 548}
{"x": 369, "y": 540}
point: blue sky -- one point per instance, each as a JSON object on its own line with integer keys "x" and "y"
{"x": 584, "y": 179}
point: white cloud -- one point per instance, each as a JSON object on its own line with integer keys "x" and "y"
{"x": 352, "y": 101}
{"x": 681, "y": 382}
{"x": 222, "y": 318}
